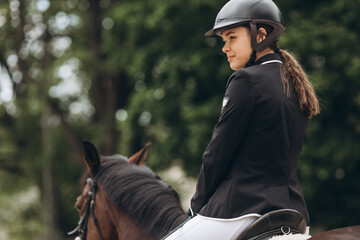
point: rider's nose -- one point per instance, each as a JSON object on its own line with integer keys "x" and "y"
{"x": 226, "y": 48}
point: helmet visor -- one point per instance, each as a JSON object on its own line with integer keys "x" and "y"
{"x": 226, "y": 24}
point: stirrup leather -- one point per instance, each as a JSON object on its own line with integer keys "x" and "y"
{"x": 278, "y": 222}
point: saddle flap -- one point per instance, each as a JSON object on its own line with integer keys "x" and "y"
{"x": 292, "y": 220}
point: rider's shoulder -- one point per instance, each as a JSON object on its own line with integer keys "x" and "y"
{"x": 239, "y": 75}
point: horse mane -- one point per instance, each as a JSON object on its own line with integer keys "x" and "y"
{"x": 138, "y": 191}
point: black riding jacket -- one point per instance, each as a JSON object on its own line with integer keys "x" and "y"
{"x": 250, "y": 164}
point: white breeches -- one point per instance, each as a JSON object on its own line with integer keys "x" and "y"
{"x": 206, "y": 228}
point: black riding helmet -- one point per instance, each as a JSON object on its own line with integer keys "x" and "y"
{"x": 252, "y": 12}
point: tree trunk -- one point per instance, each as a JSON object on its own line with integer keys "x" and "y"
{"x": 47, "y": 177}
{"x": 51, "y": 228}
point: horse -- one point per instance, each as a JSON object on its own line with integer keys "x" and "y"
{"x": 122, "y": 199}
{"x": 345, "y": 233}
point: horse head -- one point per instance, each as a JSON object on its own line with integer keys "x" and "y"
{"x": 99, "y": 225}
{"x": 124, "y": 199}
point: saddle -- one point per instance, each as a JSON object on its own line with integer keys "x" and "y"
{"x": 274, "y": 223}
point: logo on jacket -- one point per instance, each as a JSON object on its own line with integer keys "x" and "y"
{"x": 225, "y": 102}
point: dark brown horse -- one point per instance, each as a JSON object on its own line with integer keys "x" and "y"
{"x": 347, "y": 233}
{"x": 124, "y": 200}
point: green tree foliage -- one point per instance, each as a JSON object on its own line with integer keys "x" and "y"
{"x": 176, "y": 99}
{"x": 123, "y": 73}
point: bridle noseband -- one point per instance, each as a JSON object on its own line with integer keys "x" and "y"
{"x": 89, "y": 209}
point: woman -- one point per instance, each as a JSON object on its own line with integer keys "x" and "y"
{"x": 249, "y": 167}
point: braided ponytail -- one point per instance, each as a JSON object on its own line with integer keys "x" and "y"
{"x": 292, "y": 71}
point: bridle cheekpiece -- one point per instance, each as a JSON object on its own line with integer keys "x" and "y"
{"x": 81, "y": 229}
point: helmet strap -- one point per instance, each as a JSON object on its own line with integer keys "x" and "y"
{"x": 272, "y": 37}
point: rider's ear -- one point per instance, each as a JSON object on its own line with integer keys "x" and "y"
{"x": 91, "y": 158}
{"x": 261, "y": 35}
{"x": 139, "y": 157}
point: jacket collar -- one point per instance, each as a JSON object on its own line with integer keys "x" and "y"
{"x": 268, "y": 57}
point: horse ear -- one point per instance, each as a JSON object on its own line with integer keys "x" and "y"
{"x": 91, "y": 158}
{"x": 139, "y": 157}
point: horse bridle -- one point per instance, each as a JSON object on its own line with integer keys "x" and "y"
{"x": 81, "y": 229}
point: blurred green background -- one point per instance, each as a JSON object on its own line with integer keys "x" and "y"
{"x": 124, "y": 73}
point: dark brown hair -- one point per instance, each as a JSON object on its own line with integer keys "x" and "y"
{"x": 292, "y": 71}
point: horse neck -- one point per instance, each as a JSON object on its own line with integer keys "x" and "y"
{"x": 168, "y": 222}
{"x": 124, "y": 226}
{"x": 128, "y": 228}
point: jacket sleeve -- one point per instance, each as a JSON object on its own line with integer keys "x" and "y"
{"x": 228, "y": 135}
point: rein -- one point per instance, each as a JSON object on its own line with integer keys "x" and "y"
{"x": 81, "y": 229}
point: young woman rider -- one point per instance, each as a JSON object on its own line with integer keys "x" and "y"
{"x": 250, "y": 165}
